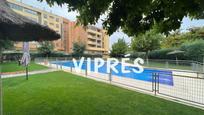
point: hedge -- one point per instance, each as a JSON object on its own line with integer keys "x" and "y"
{"x": 192, "y": 51}
{"x": 161, "y": 54}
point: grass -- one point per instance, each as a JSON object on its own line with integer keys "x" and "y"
{"x": 60, "y": 93}
{"x": 13, "y": 67}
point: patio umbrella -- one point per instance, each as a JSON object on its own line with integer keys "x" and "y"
{"x": 127, "y": 55}
{"x": 25, "y": 60}
{"x": 16, "y": 27}
{"x": 175, "y": 52}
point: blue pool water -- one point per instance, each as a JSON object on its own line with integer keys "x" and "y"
{"x": 165, "y": 76}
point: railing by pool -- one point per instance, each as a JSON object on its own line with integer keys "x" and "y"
{"x": 184, "y": 86}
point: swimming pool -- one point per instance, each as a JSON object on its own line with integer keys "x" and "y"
{"x": 165, "y": 78}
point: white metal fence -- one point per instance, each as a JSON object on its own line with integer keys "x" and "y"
{"x": 188, "y": 86}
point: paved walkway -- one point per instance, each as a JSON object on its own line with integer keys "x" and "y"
{"x": 30, "y": 73}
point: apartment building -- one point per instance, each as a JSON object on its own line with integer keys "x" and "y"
{"x": 95, "y": 39}
{"x": 40, "y": 16}
{"x": 73, "y": 33}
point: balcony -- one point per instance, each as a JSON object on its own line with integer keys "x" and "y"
{"x": 91, "y": 42}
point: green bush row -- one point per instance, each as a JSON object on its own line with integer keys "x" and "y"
{"x": 192, "y": 51}
{"x": 162, "y": 54}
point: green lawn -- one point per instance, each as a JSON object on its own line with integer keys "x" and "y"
{"x": 13, "y": 66}
{"x": 60, "y": 93}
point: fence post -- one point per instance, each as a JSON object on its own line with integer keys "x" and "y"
{"x": 56, "y": 62}
{"x": 61, "y": 66}
{"x": 197, "y": 67}
{"x": 152, "y": 82}
{"x": 86, "y": 71}
{"x": 167, "y": 64}
{"x": 203, "y": 67}
{"x": 147, "y": 60}
{"x": 192, "y": 66}
{"x": 155, "y": 83}
{"x": 203, "y": 64}
{"x": 110, "y": 76}
{"x": 71, "y": 69}
{"x": 49, "y": 64}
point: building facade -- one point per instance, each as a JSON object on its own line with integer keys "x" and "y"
{"x": 95, "y": 39}
{"x": 73, "y": 33}
{"x": 42, "y": 17}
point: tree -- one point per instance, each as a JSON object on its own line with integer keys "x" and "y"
{"x": 4, "y": 45}
{"x": 173, "y": 41}
{"x": 146, "y": 42}
{"x": 78, "y": 49}
{"x": 176, "y": 39}
{"x": 119, "y": 48}
{"x": 132, "y": 16}
{"x": 46, "y": 48}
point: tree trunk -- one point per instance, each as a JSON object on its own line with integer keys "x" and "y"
{"x": 1, "y": 56}
{"x": 147, "y": 58}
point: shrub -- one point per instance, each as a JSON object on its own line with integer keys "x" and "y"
{"x": 161, "y": 54}
{"x": 138, "y": 54}
{"x": 194, "y": 51}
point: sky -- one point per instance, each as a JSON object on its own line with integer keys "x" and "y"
{"x": 63, "y": 11}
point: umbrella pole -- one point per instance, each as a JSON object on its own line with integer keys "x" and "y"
{"x": 26, "y": 72}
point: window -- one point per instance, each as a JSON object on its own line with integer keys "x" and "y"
{"x": 51, "y": 17}
{"x": 33, "y": 19}
{"x": 30, "y": 11}
{"x": 57, "y": 19}
{"x": 98, "y": 46}
{"x": 57, "y": 25}
{"x": 45, "y": 16}
{"x": 51, "y": 24}
{"x": 98, "y": 41}
{"x": 16, "y": 7}
{"x": 57, "y": 45}
{"x": 45, "y": 23}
